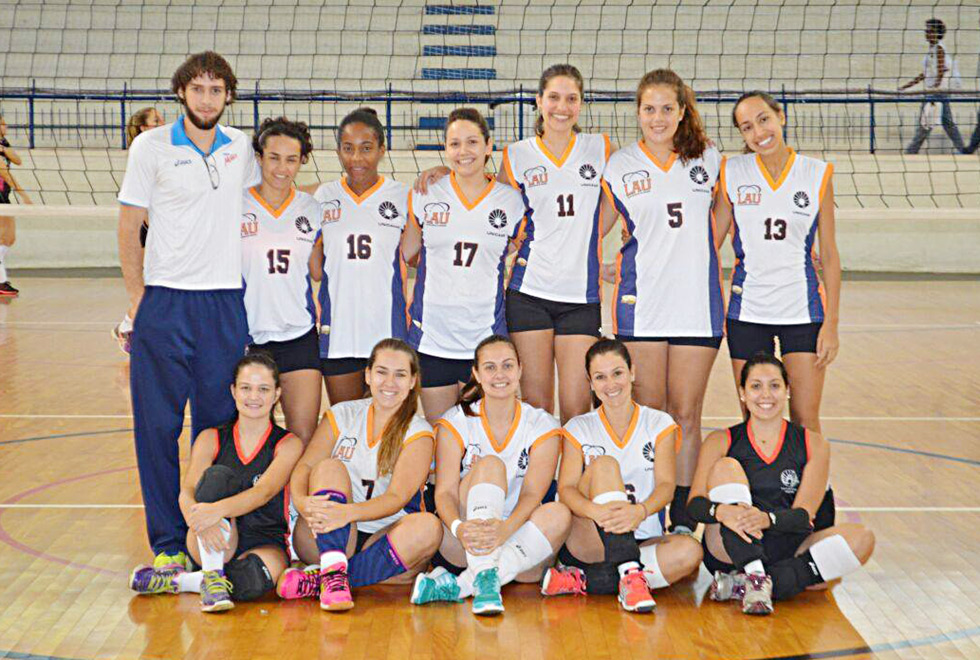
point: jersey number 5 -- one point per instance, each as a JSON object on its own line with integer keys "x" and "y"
{"x": 676, "y": 214}
{"x": 278, "y": 261}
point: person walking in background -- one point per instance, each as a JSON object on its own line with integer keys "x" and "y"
{"x": 8, "y": 184}
{"x": 939, "y": 75}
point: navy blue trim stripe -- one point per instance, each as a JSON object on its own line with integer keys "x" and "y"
{"x": 459, "y": 10}
{"x": 439, "y": 123}
{"x": 459, "y": 51}
{"x": 459, "y": 29}
{"x": 437, "y": 73}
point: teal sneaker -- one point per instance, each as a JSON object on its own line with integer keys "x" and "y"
{"x": 178, "y": 560}
{"x": 146, "y": 580}
{"x": 486, "y": 596}
{"x": 436, "y": 587}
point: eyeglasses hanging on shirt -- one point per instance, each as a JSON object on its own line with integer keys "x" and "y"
{"x": 213, "y": 173}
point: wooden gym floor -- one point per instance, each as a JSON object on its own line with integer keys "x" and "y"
{"x": 901, "y": 406}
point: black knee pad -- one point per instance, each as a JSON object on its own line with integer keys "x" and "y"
{"x": 741, "y": 552}
{"x": 217, "y": 483}
{"x": 827, "y": 513}
{"x": 678, "y": 510}
{"x": 619, "y": 548}
{"x": 250, "y": 578}
{"x": 793, "y": 575}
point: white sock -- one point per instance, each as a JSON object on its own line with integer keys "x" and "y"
{"x": 331, "y": 557}
{"x": 465, "y": 583}
{"x": 755, "y": 566}
{"x": 189, "y": 582}
{"x": 3, "y": 267}
{"x": 651, "y": 567}
{"x": 834, "y": 558}
{"x": 214, "y": 560}
{"x": 484, "y": 502}
{"x": 525, "y": 549}
{"x": 626, "y": 567}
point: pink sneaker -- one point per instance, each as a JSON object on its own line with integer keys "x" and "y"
{"x": 335, "y": 588}
{"x": 561, "y": 581}
{"x": 299, "y": 583}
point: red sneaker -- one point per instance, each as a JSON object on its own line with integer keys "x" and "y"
{"x": 634, "y": 594}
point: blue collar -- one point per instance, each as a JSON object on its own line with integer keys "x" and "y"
{"x": 178, "y": 137}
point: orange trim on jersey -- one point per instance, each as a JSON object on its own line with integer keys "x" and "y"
{"x": 446, "y": 424}
{"x": 462, "y": 198}
{"x": 411, "y": 211}
{"x": 608, "y": 144}
{"x": 782, "y": 175}
{"x": 565, "y": 433}
{"x": 333, "y": 424}
{"x": 608, "y": 191}
{"x": 275, "y": 452}
{"x": 255, "y": 452}
{"x": 510, "y": 433}
{"x": 806, "y": 441}
{"x": 775, "y": 452}
{"x": 217, "y": 445}
{"x": 664, "y": 167}
{"x": 275, "y": 213}
{"x": 508, "y": 169}
{"x": 667, "y": 431}
{"x": 367, "y": 193}
{"x": 629, "y": 431}
{"x": 407, "y": 293}
{"x": 550, "y": 434}
{"x": 615, "y": 299}
{"x": 826, "y": 180}
{"x": 371, "y": 442}
{"x": 558, "y": 162}
{"x": 722, "y": 182}
{"x": 728, "y": 431}
{"x": 421, "y": 434}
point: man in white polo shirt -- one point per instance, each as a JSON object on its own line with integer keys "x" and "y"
{"x": 186, "y": 180}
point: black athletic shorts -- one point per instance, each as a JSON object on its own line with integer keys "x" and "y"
{"x": 439, "y": 372}
{"x": 144, "y": 230}
{"x": 779, "y": 546}
{"x": 342, "y": 366}
{"x": 249, "y": 541}
{"x": 293, "y": 355}
{"x": 526, "y": 313}
{"x": 747, "y": 339}
{"x": 707, "y": 342}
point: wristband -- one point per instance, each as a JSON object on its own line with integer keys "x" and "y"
{"x": 790, "y": 521}
{"x": 454, "y": 526}
{"x": 646, "y": 512}
{"x": 702, "y": 510}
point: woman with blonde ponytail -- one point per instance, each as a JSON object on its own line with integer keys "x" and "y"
{"x": 668, "y": 307}
{"x": 358, "y": 488}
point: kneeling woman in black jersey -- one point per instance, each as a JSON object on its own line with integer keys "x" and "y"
{"x": 761, "y": 489}
{"x": 233, "y": 499}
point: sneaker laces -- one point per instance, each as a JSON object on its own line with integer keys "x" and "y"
{"x": 215, "y": 583}
{"x": 158, "y": 580}
{"x": 568, "y": 581}
{"x": 332, "y": 581}
{"x": 308, "y": 584}
{"x": 635, "y": 582}
{"x": 757, "y": 580}
{"x": 487, "y": 580}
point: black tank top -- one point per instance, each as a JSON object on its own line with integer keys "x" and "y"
{"x": 271, "y": 519}
{"x": 773, "y": 483}
{"x": 4, "y": 186}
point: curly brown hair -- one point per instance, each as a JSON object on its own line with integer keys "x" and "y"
{"x": 297, "y": 130}
{"x": 210, "y": 63}
{"x": 690, "y": 140}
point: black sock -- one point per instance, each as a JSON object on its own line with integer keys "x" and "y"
{"x": 793, "y": 575}
{"x": 739, "y": 550}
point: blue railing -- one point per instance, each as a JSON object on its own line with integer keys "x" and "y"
{"x": 127, "y": 100}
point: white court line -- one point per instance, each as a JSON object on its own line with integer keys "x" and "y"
{"x": 713, "y": 419}
{"x": 852, "y": 509}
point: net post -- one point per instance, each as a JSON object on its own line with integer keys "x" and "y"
{"x": 122, "y": 115}
{"x": 520, "y": 112}
{"x": 785, "y": 102}
{"x": 871, "y": 121}
{"x": 388, "y": 115}
{"x": 255, "y": 108}
{"x": 30, "y": 113}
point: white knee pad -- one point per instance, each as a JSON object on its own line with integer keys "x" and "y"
{"x": 611, "y": 496}
{"x": 834, "y": 558}
{"x": 730, "y": 494}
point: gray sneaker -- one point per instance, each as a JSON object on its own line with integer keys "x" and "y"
{"x": 758, "y": 594}
{"x": 727, "y": 586}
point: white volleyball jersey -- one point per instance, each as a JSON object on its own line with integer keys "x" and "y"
{"x": 668, "y": 280}
{"x": 775, "y": 224}
{"x": 562, "y": 248}
{"x": 459, "y": 286}
{"x": 362, "y": 293}
{"x": 531, "y": 427}
{"x": 635, "y": 452}
{"x": 352, "y": 423}
{"x": 276, "y": 248}
{"x": 194, "y": 204}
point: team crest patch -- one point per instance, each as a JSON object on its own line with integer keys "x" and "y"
{"x": 250, "y": 226}
{"x": 345, "y": 448}
{"x": 592, "y": 452}
{"x": 536, "y": 176}
{"x": 748, "y": 195}
{"x": 331, "y": 211}
{"x": 388, "y": 211}
{"x": 648, "y": 451}
{"x": 587, "y": 172}
{"x": 637, "y": 183}
{"x": 523, "y": 459}
{"x": 303, "y": 224}
{"x": 789, "y": 480}
{"x": 699, "y": 175}
{"x": 497, "y": 218}
{"x": 436, "y": 214}
{"x": 801, "y": 199}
